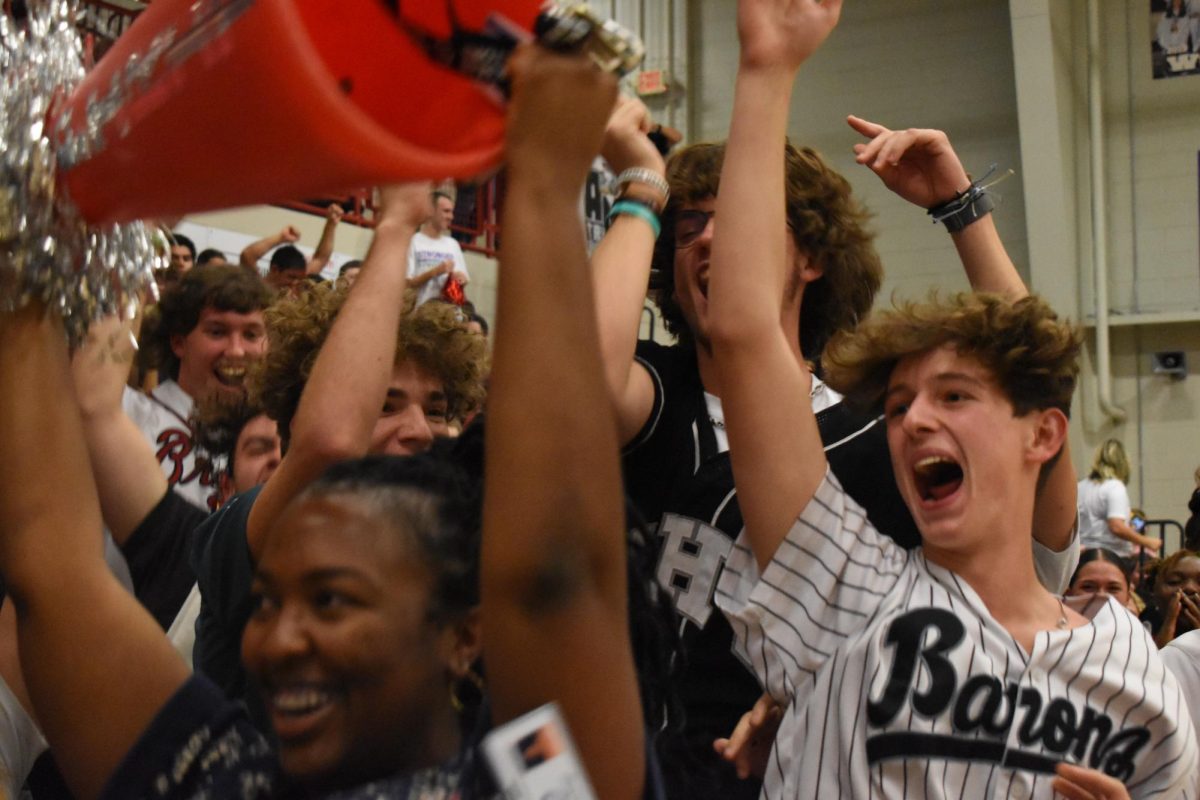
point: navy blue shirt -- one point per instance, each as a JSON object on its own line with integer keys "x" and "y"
{"x": 201, "y": 746}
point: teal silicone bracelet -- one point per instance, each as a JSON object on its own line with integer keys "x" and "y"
{"x": 636, "y": 210}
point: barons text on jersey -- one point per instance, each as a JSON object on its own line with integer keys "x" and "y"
{"x": 897, "y": 682}
{"x": 920, "y": 640}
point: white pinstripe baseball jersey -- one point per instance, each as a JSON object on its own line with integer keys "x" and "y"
{"x": 897, "y": 682}
{"x": 1182, "y": 657}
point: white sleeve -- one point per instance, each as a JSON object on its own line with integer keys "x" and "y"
{"x": 824, "y": 583}
{"x": 412, "y": 259}
{"x": 134, "y": 404}
{"x": 460, "y": 261}
{"x": 20, "y": 741}
{"x": 145, "y": 413}
{"x": 1054, "y": 569}
{"x": 1116, "y": 499}
{"x": 1169, "y": 768}
{"x": 1182, "y": 657}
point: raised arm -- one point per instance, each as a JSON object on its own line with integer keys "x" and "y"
{"x": 98, "y": 668}
{"x": 128, "y": 478}
{"x": 775, "y": 447}
{"x": 346, "y": 390}
{"x": 256, "y": 250}
{"x": 555, "y": 614}
{"x": 333, "y": 215}
{"x": 920, "y": 165}
{"x": 621, "y": 268}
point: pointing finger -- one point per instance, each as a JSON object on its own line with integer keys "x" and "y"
{"x": 865, "y": 127}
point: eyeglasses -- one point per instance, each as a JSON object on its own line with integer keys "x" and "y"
{"x": 689, "y": 226}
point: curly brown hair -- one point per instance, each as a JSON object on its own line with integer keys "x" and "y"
{"x": 1033, "y": 356}
{"x": 827, "y": 224}
{"x": 432, "y": 336}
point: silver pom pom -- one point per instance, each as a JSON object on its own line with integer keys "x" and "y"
{"x": 47, "y": 251}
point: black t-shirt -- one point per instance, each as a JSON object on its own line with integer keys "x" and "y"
{"x": 224, "y": 573}
{"x": 1191, "y": 528}
{"x": 158, "y": 553}
{"x": 201, "y": 745}
{"x": 680, "y": 483}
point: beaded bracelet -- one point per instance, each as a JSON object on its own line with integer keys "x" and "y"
{"x": 648, "y": 177}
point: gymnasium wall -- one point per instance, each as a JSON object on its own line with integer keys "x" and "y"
{"x": 1009, "y": 82}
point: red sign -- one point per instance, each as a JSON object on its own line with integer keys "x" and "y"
{"x": 651, "y": 81}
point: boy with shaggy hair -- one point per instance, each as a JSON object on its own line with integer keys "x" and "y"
{"x": 948, "y": 670}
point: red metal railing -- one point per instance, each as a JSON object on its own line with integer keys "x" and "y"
{"x": 476, "y": 213}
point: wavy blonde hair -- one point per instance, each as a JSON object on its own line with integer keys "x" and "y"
{"x": 1110, "y": 462}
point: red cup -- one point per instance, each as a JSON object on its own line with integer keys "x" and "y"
{"x": 206, "y": 104}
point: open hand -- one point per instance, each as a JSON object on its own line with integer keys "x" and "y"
{"x": 1080, "y": 783}
{"x": 101, "y": 365}
{"x": 916, "y": 163}
{"x": 1189, "y": 609}
{"x": 748, "y": 748}
{"x": 1180, "y": 604}
{"x": 782, "y": 34}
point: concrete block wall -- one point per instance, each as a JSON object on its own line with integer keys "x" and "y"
{"x": 950, "y": 64}
{"x": 1151, "y": 143}
{"x": 903, "y": 63}
{"x": 1162, "y": 429}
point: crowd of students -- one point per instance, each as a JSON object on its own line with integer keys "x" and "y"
{"x": 811, "y": 549}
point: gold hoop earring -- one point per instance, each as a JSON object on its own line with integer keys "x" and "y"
{"x": 473, "y": 678}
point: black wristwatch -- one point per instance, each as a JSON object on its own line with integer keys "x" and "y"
{"x": 968, "y": 207}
